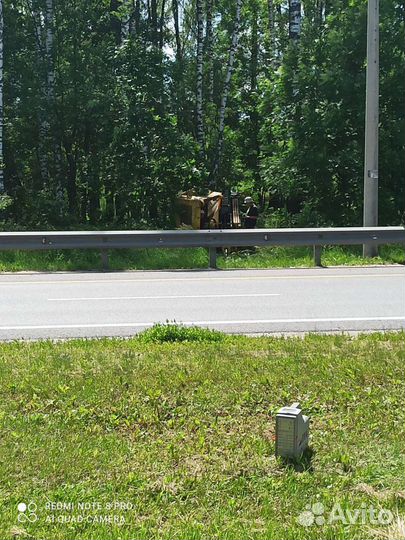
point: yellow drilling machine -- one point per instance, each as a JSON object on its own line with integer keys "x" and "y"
{"x": 213, "y": 211}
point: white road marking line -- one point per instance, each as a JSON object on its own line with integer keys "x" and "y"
{"x": 171, "y": 297}
{"x": 185, "y": 279}
{"x": 200, "y": 323}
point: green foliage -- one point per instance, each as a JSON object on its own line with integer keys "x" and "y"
{"x": 114, "y": 140}
{"x": 171, "y": 332}
{"x": 315, "y": 133}
{"x": 5, "y": 202}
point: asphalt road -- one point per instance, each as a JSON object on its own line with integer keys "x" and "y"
{"x": 245, "y": 301}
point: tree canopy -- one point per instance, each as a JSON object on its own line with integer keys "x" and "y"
{"x": 111, "y": 107}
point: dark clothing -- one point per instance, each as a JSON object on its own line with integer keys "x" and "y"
{"x": 251, "y": 217}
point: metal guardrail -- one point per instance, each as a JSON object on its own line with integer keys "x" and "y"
{"x": 211, "y": 239}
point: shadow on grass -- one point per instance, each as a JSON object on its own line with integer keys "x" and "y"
{"x": 303, "y": 464}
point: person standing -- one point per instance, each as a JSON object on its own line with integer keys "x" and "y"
{"x": 251, "y": 214}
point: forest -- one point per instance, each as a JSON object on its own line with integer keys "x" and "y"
{"x": 109, "y": 108}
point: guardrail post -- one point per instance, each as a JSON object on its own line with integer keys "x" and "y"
{"x": 212, "y": 253}
{"x": 318, "y": 255}
{"x": 104, "y": 260}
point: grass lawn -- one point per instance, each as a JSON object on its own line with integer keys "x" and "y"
{"x": 158, "y": 259}
{"x": 182, "y": 433}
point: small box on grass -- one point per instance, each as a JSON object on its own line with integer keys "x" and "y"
{"x": 292, "y": 432}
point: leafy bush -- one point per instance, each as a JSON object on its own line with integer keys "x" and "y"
{"x": 161, "y": 333}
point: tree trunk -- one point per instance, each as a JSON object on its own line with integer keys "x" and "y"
{"x": 50, "y": 98}
{"x": 272, "y": 40}
{"x": 71, "y": 180}
{"x": 227, "y": 86}
{"x": 154, "y": 22}
{"x": 47, "y": 144}
{"x": 137, "y": 17}
{"x": 148, "y": 11}
{"x": 50, "y": 72}
{"x": 295, "y": 20}
{"x": 179, "y": 92}
{"x": 2, "y": 188}
{"x": 94, "y": 197}
{"x": 175, "y": 7}
{"x": 254, "y": 49}
{"x": 126, "y": 20}
{"x": 162, "y": 24}
{"x": 254, "y": 115}
{"x": 209, "y": 52}
{"x": 200, "y": 66}
{"x": 43, "y": 125}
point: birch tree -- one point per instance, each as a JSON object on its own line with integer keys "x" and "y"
{"x": 49, "y": 50}
{"x": 126, "y": 20}
{"x": 179, "y": 86}
{"x": 209, "y": 51}
{"x": 2, "y": 189}
{"x": 38, "y": 21}
{"x": 153, "y": 16}
{"x": 226, "y": 89}
{"x": 50, "y": 114}
{"x": 200, "y": 69}
{"x": 43, "y": 20}
{"x": 253, "y": 158}
{"x": 295, "y": 20}
{"x": 271, "y": 27}
{"x": 176, "y": 22}
{"x": 137, "y": 17}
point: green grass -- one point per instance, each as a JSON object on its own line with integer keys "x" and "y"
{"x": 158, "y": 259}
{"x": 170, "y": 332}
{"x": 184, "y": 432}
